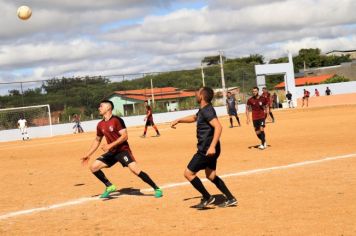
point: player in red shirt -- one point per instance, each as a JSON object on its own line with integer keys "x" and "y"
{"x": 306, "y": 98}
{"x": 149, "y": 121}
{"x": 116, "y": 150}
{"x": 317, "y": 94}
{"x": 259, "y": 107}
{"x": 268, "y": 97}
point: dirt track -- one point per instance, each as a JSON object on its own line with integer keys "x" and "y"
{"x": 312, "y": 199}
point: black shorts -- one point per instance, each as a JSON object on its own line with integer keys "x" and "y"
{"x": 201, "y": 161}
{"x": 232, "y": 112}
{"x": 259, "y": 123}
{"x": 149, "y": 123}
{"x": 110, "y": 159}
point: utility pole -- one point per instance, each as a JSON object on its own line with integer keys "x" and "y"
{"x": 222, "y": 77}
{"x": 153, "y": 97}
{"x": 202, "y": 73}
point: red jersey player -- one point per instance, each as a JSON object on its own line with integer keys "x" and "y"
{"x": 116, "y": 150}
{"x": 268, "y": 97}
{"x": 259, "y": 106}
{"x": 149, "y": 120}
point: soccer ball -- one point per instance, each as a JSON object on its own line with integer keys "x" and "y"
{"x": 24, "y": 12}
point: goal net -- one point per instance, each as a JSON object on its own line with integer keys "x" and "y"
{"x": 36, "y": 116}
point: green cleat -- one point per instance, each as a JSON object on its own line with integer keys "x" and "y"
{"x": 158, "y": 193}
{"x": 108, "y": 190}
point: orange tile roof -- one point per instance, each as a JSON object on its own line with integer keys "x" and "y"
{"x": 307, "y": 80}
{"x": 158, "y": 93}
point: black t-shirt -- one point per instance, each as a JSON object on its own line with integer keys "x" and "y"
{"x": 205, "y": 132}
{"x": 231, "y": 103}
{"x": 289, "y": 96}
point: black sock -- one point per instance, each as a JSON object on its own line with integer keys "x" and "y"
{"x": 259, "y": 136}
{"x": 230, "y": 121}
{"x": 101, "y": 176}
{"x": 263, "y": 137}
{"x": 147, "y": 179}
{"x": 198, "y": 185}
{"x": 238, "y": 120}
{"x": 222, "y": 187}
{"x": 270, "y": 113}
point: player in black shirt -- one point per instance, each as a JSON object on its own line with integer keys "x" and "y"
{"x": 208, "y": 133}
{"x": 231, "y": 108}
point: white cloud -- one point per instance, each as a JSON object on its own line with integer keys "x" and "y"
{"x": 114, "y": 37}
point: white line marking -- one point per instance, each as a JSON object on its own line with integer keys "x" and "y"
{"x": 173, "y": 185}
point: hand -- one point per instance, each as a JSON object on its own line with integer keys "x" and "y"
{"x": 211, "y": 151}
{"x": 174, "y": 123}
{"x": 85, "y": 160}
{"x": 106, "y": 147}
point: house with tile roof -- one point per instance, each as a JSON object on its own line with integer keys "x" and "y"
{"x": 130, "y": 102}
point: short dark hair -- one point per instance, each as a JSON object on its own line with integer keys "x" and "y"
{"x": 256, "y": 88}
{"x": 264, "y": 88}
{"x": 108, "y": 101}
{"x": 228, "y": 92}
{"x": 208, "y": 94}
{"x": 146, "y": 101}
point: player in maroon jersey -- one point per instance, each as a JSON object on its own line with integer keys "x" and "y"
{"x": 268, "y": 97}
{"x": 305, "y": 99}
{"x": 259, "y": 107}
{"x": 149, "y": 121}
{"x": 116, "y": 150}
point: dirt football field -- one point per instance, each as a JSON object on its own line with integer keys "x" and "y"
{"x": 304, "y": 183}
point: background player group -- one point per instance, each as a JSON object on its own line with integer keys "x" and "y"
{"x": 209, "y": 131}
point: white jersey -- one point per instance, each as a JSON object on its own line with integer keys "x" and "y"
{"x": 22, "y": 123}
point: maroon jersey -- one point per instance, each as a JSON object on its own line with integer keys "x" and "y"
{"x": 306, "y": 93}
{"x": 110, "y": 129}
{"x": 267, "y": 95}
{"x": 258, "y": 107}
{"x": 149, "y": 111}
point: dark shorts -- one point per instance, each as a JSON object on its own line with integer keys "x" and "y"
{"x": 149, "y": 123}
{"x": 232, "y": 112}
{"x": 201, "y": 161}
{"x": 259, "y": 123}
{"x": 110, "y": 159}
{"x": 305, "y": 97}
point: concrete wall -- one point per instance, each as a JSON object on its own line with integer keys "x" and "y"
{"x": 89, "y": 126}
{"x": 333, "y": 100}
{"x": 336, "y": 88}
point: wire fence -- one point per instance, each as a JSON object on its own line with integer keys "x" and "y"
{"x": 173, "y": 91}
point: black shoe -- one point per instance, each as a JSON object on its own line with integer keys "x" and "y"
{"x": 205, "y": 202}
{"x": 229, "y": 202}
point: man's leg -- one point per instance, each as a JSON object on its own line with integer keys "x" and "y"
{"x": 95, "y": 168}
{"x": 238, "y": 119}
{"x": 144, "y": 132}
{"x": 198, "y": 185}
{"x": 145, "y": 177}
{"x": 156, "y": 129}
{"x": 219, "y": 183}
{"x": 231, "y": 122}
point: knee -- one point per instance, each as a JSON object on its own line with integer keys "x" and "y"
{"x": 188, "y": 175}
{"x": 94, "y": 167}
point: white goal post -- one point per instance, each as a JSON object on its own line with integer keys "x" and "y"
{"x": 35, "y": 116}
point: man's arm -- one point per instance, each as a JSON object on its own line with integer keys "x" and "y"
{"x": 123, "y": 137}
{"x": 187, "y": 119}
{"x": 217, "y": 133}
{"x": 247, "y": 114}
{"x": 94, "y": 146}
